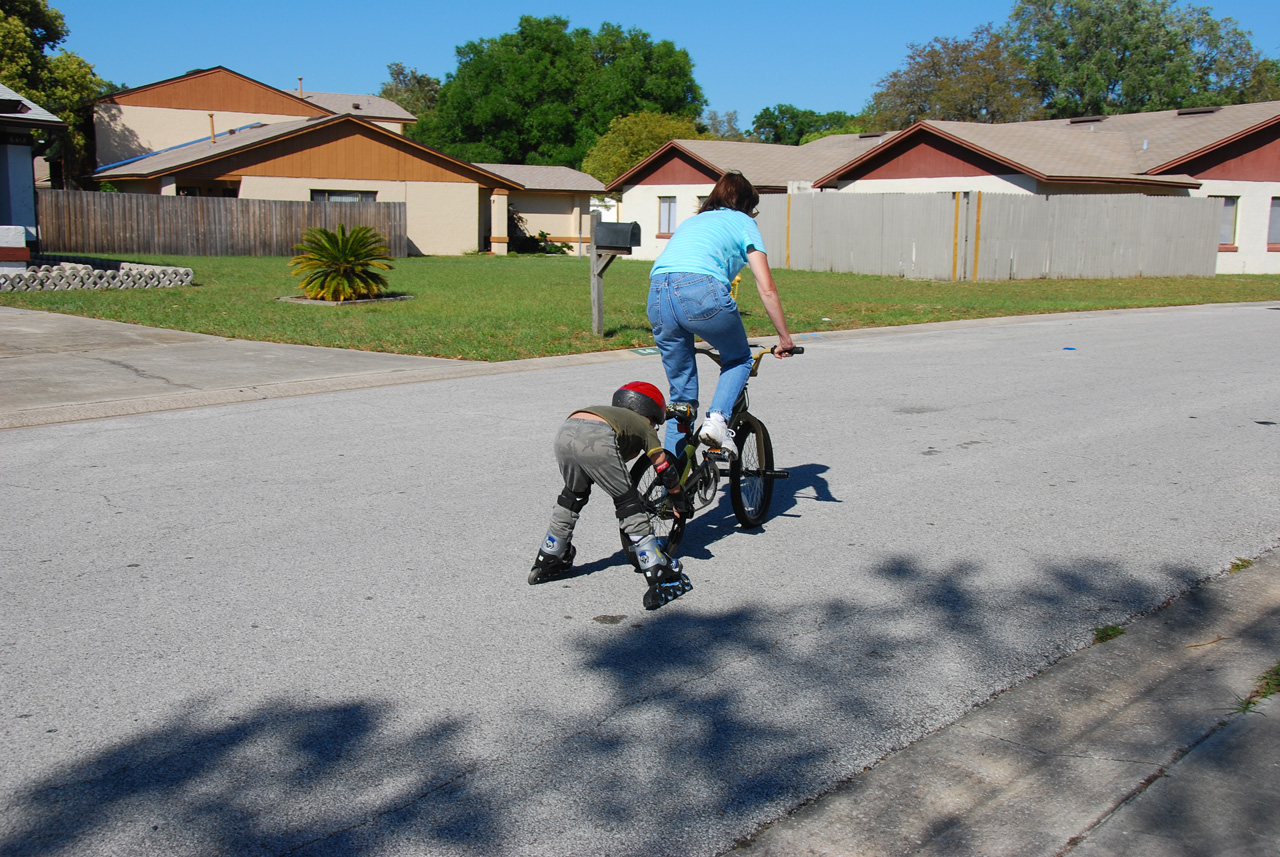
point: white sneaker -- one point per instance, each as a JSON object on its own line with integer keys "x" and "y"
{"x": 715, "y": 433}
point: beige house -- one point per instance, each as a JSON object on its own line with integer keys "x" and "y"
{"x": 214, "y": 132}
{"x": 451, "y": 206}
{"x": 1230, "y": 153}
{"x": 554, "y": 200}
{"x": 670, "y": 185}
{"x": 201, "y": 104}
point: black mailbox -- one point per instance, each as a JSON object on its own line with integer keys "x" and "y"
{"x": 617, "y": 236}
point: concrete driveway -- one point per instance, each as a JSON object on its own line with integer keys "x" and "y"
{"x": 301, "y": 625}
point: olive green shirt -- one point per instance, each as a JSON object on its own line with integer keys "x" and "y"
{"x": 635, "y": 433}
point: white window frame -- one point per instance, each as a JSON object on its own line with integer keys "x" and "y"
{"x": 1273, "y": 226}
{"x": 1229, "y": 223}
{"x": 666, "y": 215}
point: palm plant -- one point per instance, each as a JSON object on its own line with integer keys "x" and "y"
{"x": 340, "y": 266}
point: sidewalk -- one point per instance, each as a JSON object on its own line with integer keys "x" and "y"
{"x": 62, "y": 368}
{"x": 1128, "y": 747}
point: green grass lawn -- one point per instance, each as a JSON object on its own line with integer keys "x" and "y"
{"x": 503, "y": 308}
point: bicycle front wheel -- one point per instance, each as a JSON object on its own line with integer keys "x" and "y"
{"x": 750, "y": 479}
{"x": 666, "y": 526}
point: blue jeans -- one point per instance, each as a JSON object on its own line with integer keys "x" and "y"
{"x": 682, "y": 306}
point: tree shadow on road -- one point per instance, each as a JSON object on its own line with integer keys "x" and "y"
{"x": 709, "y": 724}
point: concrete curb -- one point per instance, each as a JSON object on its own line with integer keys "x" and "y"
{"x": 1045, "y": 764}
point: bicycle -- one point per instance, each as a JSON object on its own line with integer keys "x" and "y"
{"x": 751, "y": 472}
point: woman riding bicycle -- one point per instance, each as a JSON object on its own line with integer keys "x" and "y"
{"x": 689, "y": 295}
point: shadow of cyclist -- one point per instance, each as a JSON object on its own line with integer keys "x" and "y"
{"x": 806, "y": 483}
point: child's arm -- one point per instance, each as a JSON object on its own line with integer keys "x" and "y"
{"x": 670, "y": 477}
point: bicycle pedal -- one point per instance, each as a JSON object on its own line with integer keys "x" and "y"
{"x": 718, "y": 454}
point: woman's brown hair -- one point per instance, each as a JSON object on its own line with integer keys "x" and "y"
{"x": 732, "y": 191}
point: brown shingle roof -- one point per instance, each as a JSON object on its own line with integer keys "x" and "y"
{"x": 179, "y": 158}
{"x": 364, "y": 106}
{"x": 546, "y": 178}
{"x": 29, "y": 114}
{"x": 765, "y": 165}
{"x": 1134, "y": 148}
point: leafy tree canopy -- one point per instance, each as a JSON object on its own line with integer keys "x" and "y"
{"x": 1264, "y": 83}
{"x": 413, "y": 91}
{"x": 631, "y": 139}
{"x": 969, "y": 80}
{"x": 788, "y": 125}
{"x": 62, "y": 83}
{"x": 1089, "y": 57}
{"x": 856, "y": 125}
{"x": 545, "y": 93}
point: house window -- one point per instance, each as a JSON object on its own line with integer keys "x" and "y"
{"x": 1227, "y": 227}
{"x": 344, "y": 196}
{"x": 1273, "y": 226}
{"x": 702, "y": 200}
{"x": 666, "y": 216}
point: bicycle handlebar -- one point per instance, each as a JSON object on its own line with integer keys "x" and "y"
{"x": 715, "y": 355}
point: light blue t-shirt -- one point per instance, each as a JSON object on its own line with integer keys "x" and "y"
{"x": 713, "y": 243}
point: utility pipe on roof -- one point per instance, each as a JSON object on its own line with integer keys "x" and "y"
{"x": 213, "y": 137}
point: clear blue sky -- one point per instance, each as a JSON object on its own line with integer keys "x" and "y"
{"x": 824, "y": 55}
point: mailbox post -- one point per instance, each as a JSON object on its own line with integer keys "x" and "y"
{"x": 608, "y": 241}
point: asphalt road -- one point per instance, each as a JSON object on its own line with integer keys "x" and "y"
{"x": 301, "y": 626}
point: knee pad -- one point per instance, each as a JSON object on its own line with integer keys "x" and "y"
{"x": 574, "y": 502}
{"x": 628, "y": 504}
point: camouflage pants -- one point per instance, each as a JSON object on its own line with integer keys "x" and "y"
{"x": 587, "y": 452}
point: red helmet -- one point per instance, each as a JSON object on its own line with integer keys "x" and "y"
{"x": 643, "y": 398}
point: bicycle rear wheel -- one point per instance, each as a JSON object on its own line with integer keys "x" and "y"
{"x": 666, "y": 526}
{"x": 750, "y": 482}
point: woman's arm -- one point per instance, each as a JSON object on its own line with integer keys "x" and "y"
{"x": 769, "y": 296}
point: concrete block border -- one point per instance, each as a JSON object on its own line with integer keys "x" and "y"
{"x": 62, "y": 273}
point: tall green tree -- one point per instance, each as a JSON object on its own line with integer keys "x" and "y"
{"x": 631, "y": 139}
{"x": 969, "y": 80}
{"x": 1264, "y": 83}
{"x": 788, "y": 125}
{"x": 1090, "y": 57}
{"x": 412, "y": 90}
{"x": 62, "y": 83}
{"x": 545, "y": 93}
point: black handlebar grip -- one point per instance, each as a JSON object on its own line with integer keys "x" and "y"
{"x": 795, "y": 349}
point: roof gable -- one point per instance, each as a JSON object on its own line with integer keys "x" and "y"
{"x": 925, "y": 156}
{"x": 1251, "y": 156}
{"x": 219, "y": 89}
{"x": 322, "y": 148}
{"x": 678, "y": 167}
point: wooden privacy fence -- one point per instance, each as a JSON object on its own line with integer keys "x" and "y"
{"x": 73, "y": 221}
{"x": 977, "y": 236}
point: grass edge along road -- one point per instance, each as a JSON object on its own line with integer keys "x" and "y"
{"x": 504, "y": 308}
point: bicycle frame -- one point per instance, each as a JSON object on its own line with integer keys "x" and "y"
{"x": 751, "y": 481}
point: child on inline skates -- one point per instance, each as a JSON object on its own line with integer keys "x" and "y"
{"x": 593, "y": 446}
